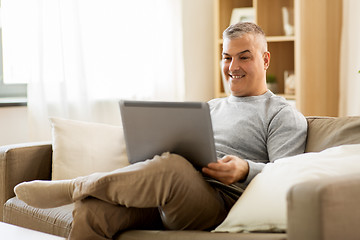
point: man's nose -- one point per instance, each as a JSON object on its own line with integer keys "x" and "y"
{"x": 234, "y": 65}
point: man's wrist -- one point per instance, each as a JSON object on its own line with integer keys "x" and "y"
{"x": 246, "y": 169}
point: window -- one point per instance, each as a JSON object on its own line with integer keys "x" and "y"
{"x": 8, "y": 90}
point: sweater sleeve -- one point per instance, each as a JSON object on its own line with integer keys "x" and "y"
{"x": 287, "y": 132}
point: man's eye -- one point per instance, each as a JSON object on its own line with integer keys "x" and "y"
{"x": 226, "y": 59}
{"x": 244, "y": 58}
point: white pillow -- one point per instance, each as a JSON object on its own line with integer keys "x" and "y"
{"x": 81, "y": 148}
{"x": 262, "y": 207}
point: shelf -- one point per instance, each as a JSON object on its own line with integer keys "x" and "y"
{"x": 280, "y": 38}
{"x": 221, "y": 95}
{"x": 271, "y": 39}
{"x": 287, "y": 96}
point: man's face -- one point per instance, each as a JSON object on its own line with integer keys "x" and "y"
{"x": 244, "y": 64}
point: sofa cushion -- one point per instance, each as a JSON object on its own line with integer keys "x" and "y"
{"x": 262, "y": 207}
{"x": 326, "y": 132}
{"x": 56, "y": 221}
{"x": 81, "y": 148}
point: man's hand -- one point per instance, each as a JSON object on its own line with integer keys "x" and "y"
{"x": 228, "y": 169}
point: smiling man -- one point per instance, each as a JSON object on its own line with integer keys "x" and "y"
{"x": 252, "y": 127}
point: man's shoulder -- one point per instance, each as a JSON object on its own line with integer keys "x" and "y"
{"x": 280, "y": 108}
{"x": 216, "y": 101}
{"x": 278, "y": 103}
{"x": 277, "y": 99}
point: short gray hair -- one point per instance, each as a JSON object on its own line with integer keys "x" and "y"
{"x": 237, "y": 30}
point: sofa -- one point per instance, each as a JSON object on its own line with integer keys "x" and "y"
{"x": 318, "y": 209}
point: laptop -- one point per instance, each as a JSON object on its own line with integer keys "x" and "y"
{"x": 152, "y": 128}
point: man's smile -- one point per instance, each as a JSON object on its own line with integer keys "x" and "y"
{"x": 236, "y": 76}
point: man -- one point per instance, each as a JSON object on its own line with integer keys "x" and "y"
{"x": 251, "y": 128}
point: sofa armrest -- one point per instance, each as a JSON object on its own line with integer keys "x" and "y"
{"x": 325, "y": 209}
{"x": 23, "y": 162}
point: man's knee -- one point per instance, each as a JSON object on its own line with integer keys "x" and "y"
{"x": 171, "y": 162}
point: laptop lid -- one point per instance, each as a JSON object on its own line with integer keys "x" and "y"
{"x": 184, "y": 128}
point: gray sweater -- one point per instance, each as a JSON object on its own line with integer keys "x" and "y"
{"x": 259, "y": 129}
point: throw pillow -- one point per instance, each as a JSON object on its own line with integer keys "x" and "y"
{"x": 326, "y": 132}
{"x": 262, "y": 207}
{"x": 81, "y": 148}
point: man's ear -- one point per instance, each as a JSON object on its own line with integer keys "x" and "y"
{"x": 266, "y": 58}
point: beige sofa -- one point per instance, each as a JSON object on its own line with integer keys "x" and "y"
{"x": 320, "y": 209}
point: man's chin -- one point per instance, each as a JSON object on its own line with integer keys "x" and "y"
{"x": 236, "y": 90}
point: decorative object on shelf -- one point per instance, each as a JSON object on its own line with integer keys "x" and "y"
{"x": 288, "y": 20}
{"x": 289, "y": 80}
{"x": 242, "y": 15}
{"x": 271, "y": 83}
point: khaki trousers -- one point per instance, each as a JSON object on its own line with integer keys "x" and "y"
{"x": 165, "y": 191}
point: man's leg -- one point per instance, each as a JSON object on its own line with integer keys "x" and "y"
{"x": 95, "y": 219}
{"x": 168, "y": 181}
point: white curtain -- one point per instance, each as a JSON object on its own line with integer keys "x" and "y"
{"x": 350, "y": 60}
{"x": 79, "y": 57}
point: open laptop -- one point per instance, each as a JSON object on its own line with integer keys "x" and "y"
{"x": 184, "y": 128}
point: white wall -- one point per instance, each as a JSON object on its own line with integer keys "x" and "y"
{"x": 198, "y": 30}
{"x": 198, "y": 62}
{"x": 13, "y": 125}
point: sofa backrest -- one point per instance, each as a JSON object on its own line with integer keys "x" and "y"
{"x": 325, "y": 132}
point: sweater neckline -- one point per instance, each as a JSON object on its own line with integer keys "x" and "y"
{"x": 266, "y": 95}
